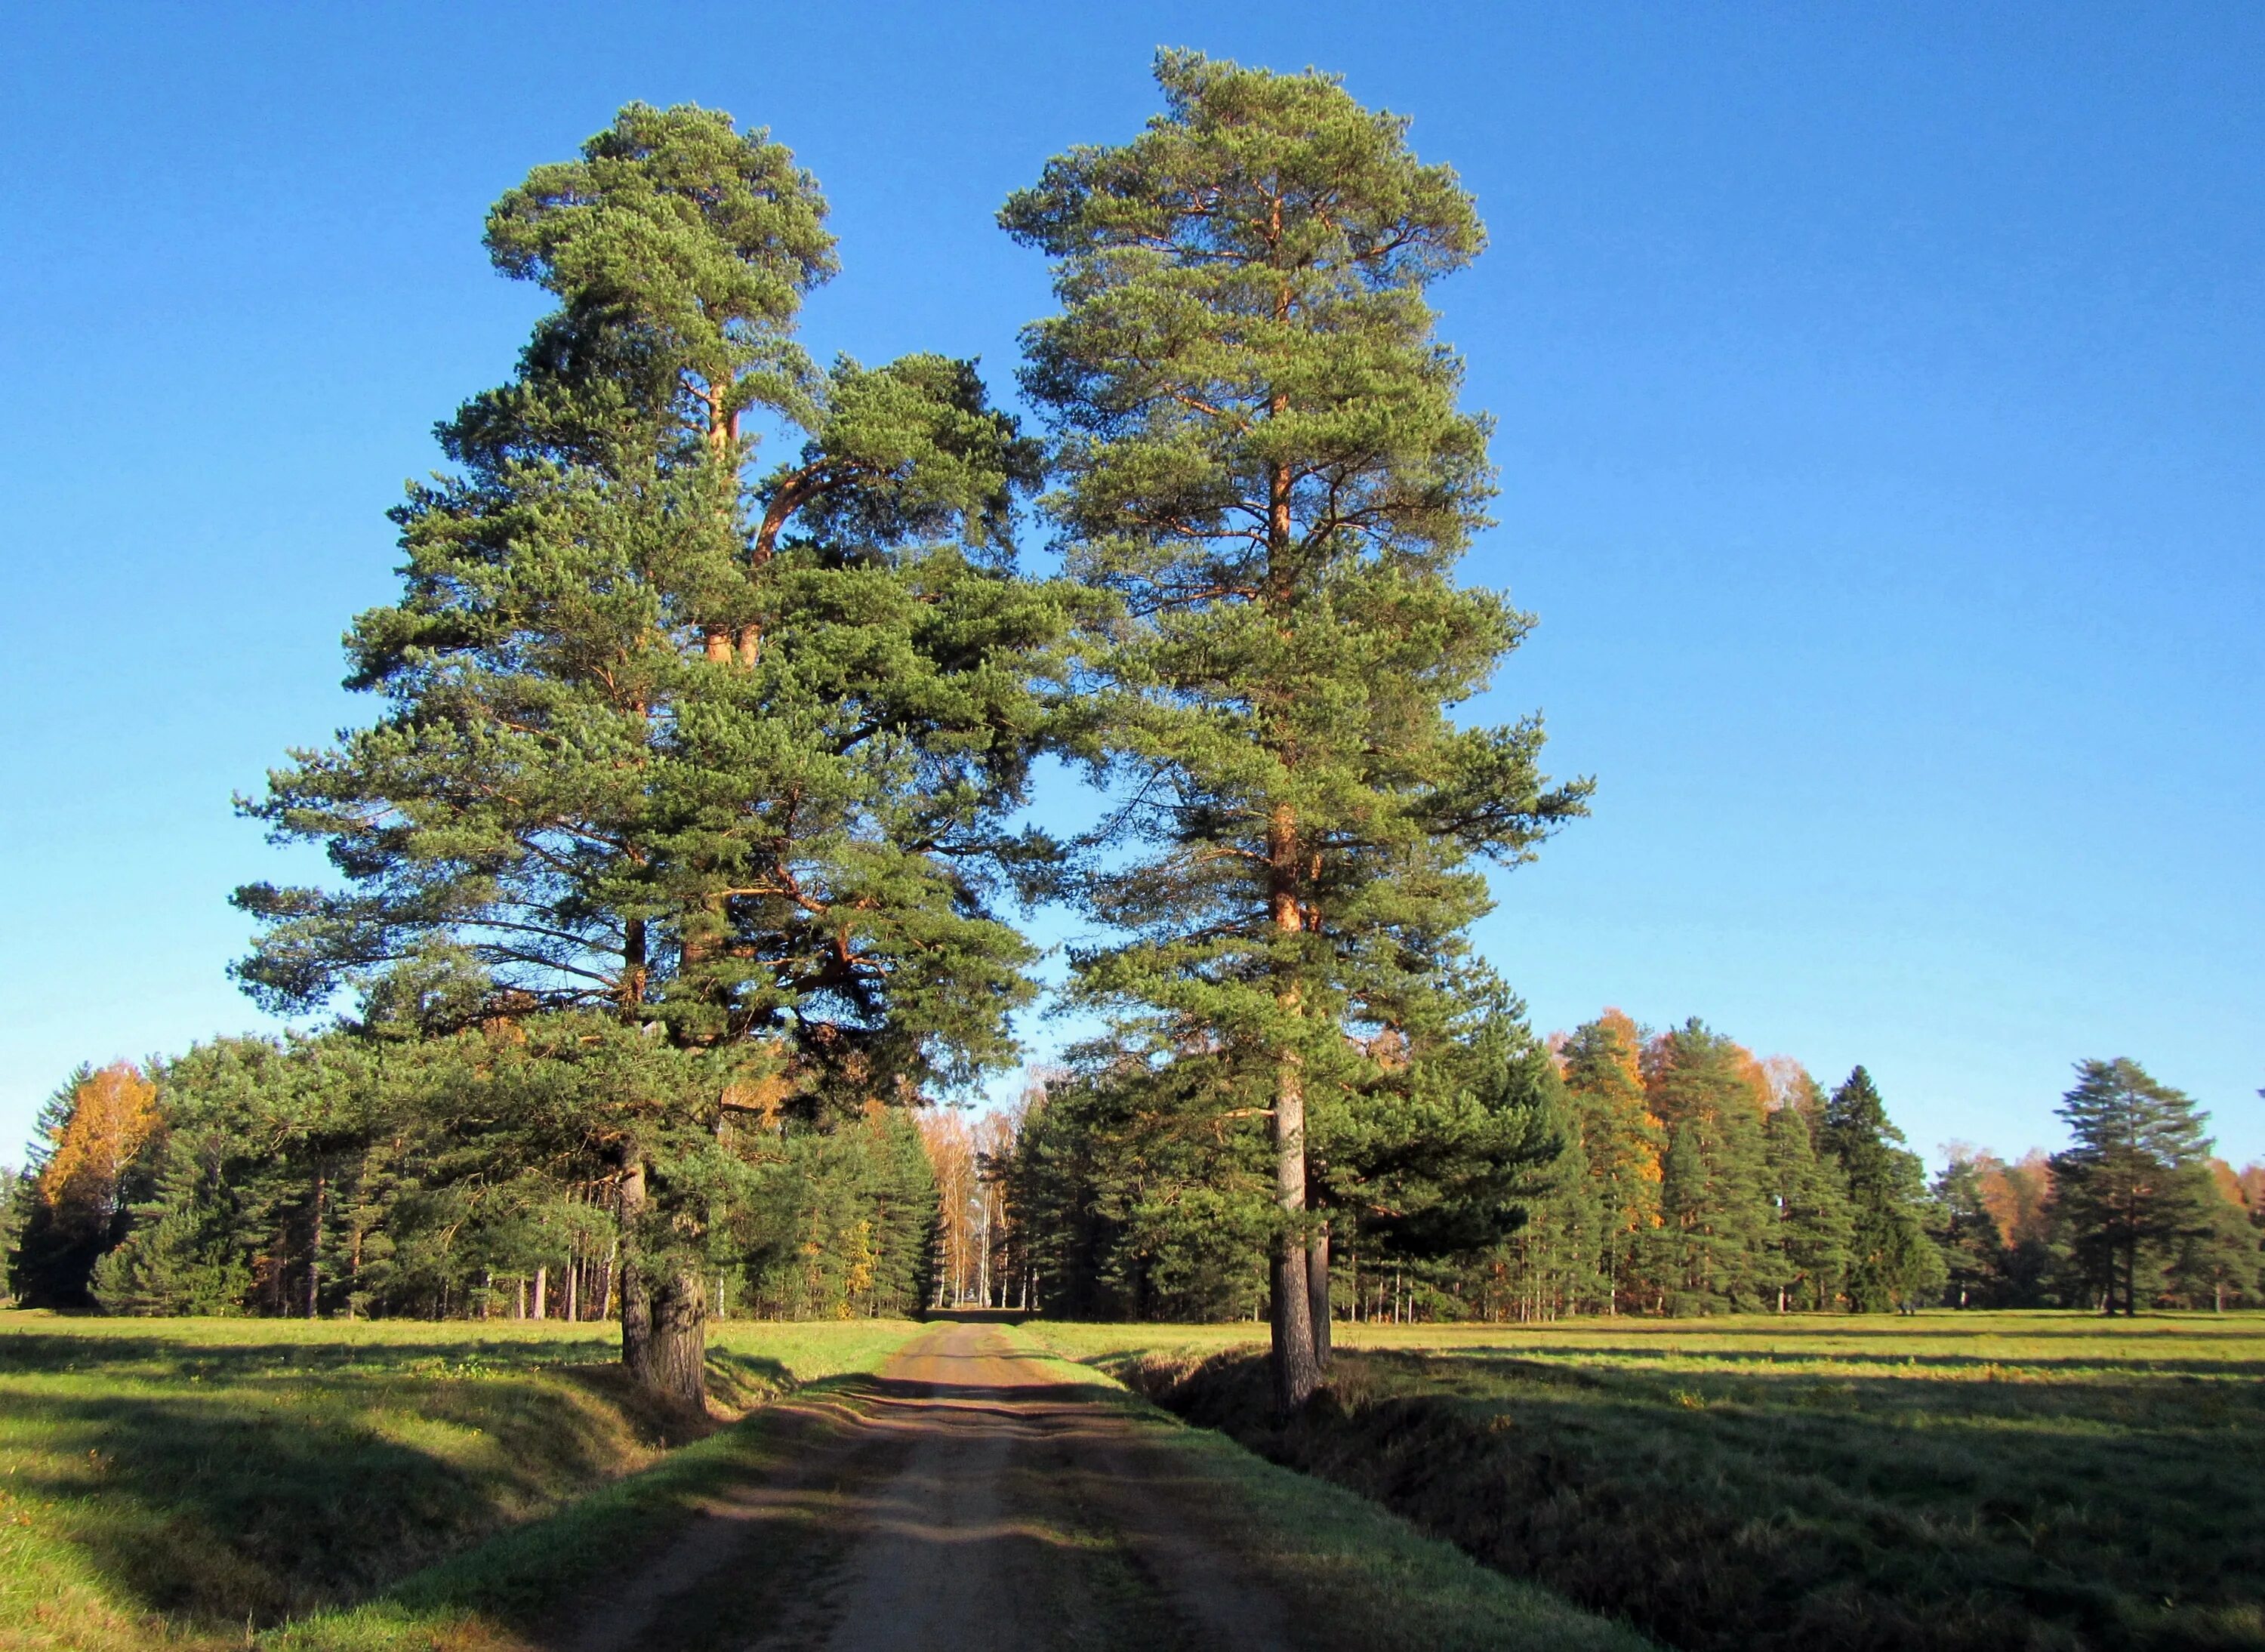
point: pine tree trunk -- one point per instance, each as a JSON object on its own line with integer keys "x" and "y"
{"x": 314, "y": 1252}
{"x": 668, "y": 1357}
{"x": 353, "y": 1270}
{"x": 1317, "y": 1292}
{"x": 1296, "y": 1371}
{"x": 542, "y": 1291}
{"x": 665, "y": 1320}
{"x": 1296, "y": 1375}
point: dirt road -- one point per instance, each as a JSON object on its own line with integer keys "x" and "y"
{"x": 972, "y": 1498}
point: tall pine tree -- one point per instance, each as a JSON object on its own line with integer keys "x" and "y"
{"x": 1259, "y": 452}
{"x": 1715, "y": 1213}
{"x": 1620, "y": 1139}
{"x": 720, "y": 754}
{"x": 2134, "y": 1186}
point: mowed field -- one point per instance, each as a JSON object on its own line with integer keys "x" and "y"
{"x": 2041, "y": 1480}
{"x": 181, "y": 1481}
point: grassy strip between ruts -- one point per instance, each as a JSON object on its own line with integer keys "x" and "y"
{"x": 180, "y": 1483}
{"x": 1376, "y": 1580}
{"x": 2039, "y": 1481}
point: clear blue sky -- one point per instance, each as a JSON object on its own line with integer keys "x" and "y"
{"x": 1882, "y": 402}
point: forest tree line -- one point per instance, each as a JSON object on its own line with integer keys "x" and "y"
{"x": 1665, "y": 1172}
{"x": 341, "y": 1175}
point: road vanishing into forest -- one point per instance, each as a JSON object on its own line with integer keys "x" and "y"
{"x": 971, "y": 1498}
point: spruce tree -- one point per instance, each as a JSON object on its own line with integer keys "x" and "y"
{"x": 16, "y": 1195}
{"x": 2134, "y": 1184}
{"x": 715, "y": 753}
{"x": 1259, "y": 453}
{"x": 1460, "y": 1139}
{"x": 1812, "y": 1231}
{"x": 1553, "y": 1262}
{"x": 1892, "y": 1263}
{"x": 1683, "y": 1263}
{"x": 1967, "y": 1234}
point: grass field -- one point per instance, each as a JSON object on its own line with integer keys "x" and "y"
{"x": 2034, "y": 1481}
{"x": 167, "y": 1483}
{"x": 1959, "y": 1480}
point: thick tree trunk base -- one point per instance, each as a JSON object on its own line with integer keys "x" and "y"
{"x": 1296, "y": 1374}
{"x": 665, "y": 1340}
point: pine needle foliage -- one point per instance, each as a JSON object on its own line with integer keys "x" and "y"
{"x": 1258, "y": 450}
{"x": 720, "y": 752}
{"x": 2134, "y": 1187}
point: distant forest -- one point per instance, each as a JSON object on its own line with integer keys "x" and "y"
{"x": 1668, "y": 1173}
{"x": 677, "y": 875}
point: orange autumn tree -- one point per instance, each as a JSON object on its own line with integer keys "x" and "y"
{"x": 89, "y": 1136}
{"x": 111, "y": 1113}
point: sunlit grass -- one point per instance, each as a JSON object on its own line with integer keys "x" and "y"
{"x": 171, "y": 1481}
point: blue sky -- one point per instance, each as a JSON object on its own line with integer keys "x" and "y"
{"x": 1882, "y": 426}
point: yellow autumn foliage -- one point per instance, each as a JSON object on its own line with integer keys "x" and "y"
{"x": 112, "y": 1113}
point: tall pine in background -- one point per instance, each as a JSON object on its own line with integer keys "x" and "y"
{"x": 1621, "y": 1142}
{"x": 1715, "y": 1213}
{"x": 2134, "y": 1186}
{"x": 1259, "y": 452}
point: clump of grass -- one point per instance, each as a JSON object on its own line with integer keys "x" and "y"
{"x": 2025, "y": 1482}
{"x": 172, "y": 1481}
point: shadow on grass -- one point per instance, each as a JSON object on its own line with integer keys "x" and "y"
{"x": 975, "y": 1316}
{"x": 1866, "y": 1514}
{"x": 534, "y": 1579}
{"x": 35, "y": 1353}
{"x": 2138, "y": 1360}
{"x": 902, "y": 1392}
{"x": 266, "y": 1495}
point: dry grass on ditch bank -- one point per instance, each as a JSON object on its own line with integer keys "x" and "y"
{"x": 164, "y": 1482}
{"x": 2019, "y": 1480}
